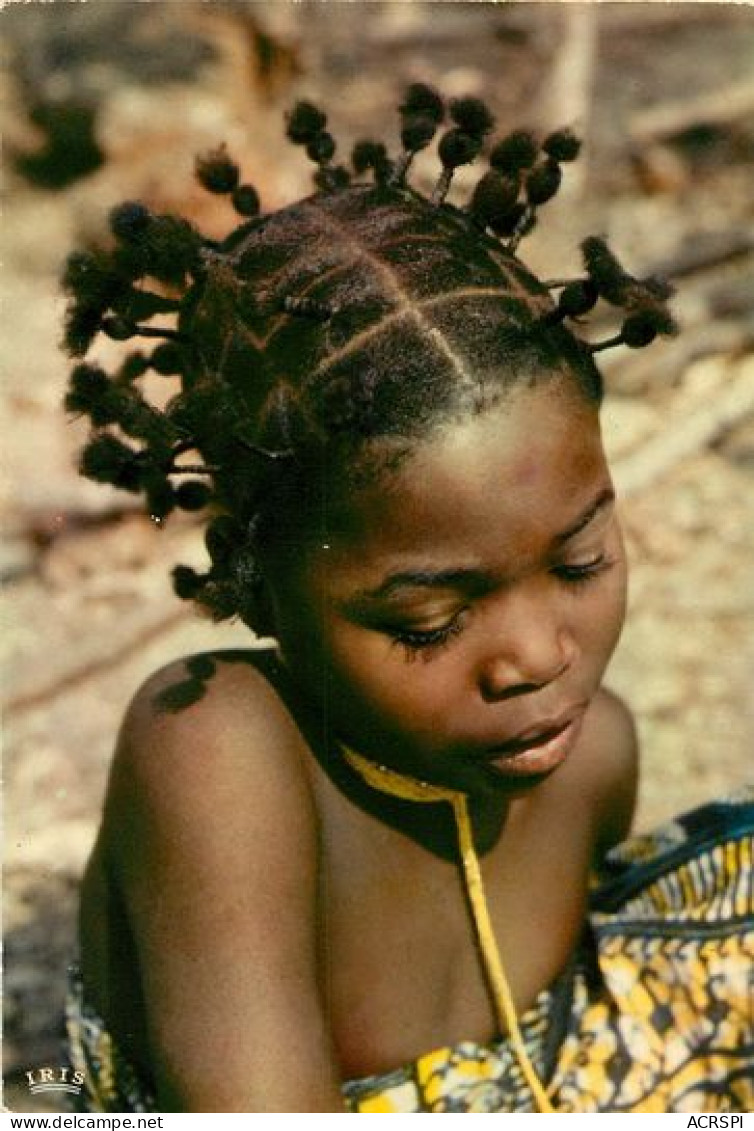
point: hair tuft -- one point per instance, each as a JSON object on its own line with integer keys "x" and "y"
{"x": 321, "y": 148}
{"x": 304, "y": 123}
{"x": 543, "y": 182}
{"x": 605, "y": 270}
{"x": 108, "y": 460}
{"x": 81, "y": 325}
{"x": 187, "y": 582}
{"x": 171, "y": 250}
{"x": 129, "y": 220}
{"x": 167, "y": 359}
{"x": 493, "y": 200}
{"x": 510, "y": 224}
{"x": 89, "y": 388}
{"x": 118, "y": 328}
{"x": 91, "y": 279}
{"x": 577, "y": 298}
{"x": 423, "y": 101}
{"x": 458, "y": 148}
{"x": 245, "y": 200}
{"x": 368, "y": 154}
{"x": 216, "y": 171}
{"x": 562, "y": 145}
{"x": 193, "y": 495}
{"x": 417, "y": 132}
{"x": 134, "y": 365}
{"x": 472, "y": 116}
{"x": 514, "y": 153}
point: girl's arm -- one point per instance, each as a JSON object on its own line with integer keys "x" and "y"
{"x": 213, "y": 842}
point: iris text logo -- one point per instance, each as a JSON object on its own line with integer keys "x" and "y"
{"x": 42, "y": 1080}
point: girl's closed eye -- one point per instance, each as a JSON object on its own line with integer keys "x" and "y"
{"x": 426, "y": 641}
{"x": 579, "y": 573}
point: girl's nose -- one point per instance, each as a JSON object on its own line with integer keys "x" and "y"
{"x": 529, "y": 647}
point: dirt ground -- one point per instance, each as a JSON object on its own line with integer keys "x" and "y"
{"x": 663, "y": 95}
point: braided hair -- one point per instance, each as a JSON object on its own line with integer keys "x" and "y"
{"x": 316, "y": 342}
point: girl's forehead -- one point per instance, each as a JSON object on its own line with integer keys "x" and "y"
{"x": 526, "y": 460}
{"x": 531, "y": 435}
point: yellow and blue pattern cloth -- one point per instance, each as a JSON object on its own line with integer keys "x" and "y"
{"x": 655, "y": 1013}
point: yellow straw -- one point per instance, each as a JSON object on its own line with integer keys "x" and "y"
{"x": 410, "y": 789}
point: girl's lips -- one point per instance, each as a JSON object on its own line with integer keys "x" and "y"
{"x": 543, "y": 753}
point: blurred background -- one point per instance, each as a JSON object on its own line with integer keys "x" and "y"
{"x": 112, "y": 99}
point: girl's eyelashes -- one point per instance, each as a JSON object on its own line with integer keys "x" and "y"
{"x": 425, "y": 642}
{"x": 579, "y": 573}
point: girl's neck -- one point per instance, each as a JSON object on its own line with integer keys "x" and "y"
{"x": 430, "y": 825}
{"x": 484, "y": 823}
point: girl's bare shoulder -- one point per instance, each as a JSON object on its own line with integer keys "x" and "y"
{"x": 608, "y": 757}
{"x": 202, "y": 736}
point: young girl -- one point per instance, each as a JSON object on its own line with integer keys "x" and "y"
{"x": 353, "y": 872}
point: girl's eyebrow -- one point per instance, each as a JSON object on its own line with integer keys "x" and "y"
{"x": 472, "y": 579}
{"x": 605, "y": 497}
{"x": 421, "y": 579}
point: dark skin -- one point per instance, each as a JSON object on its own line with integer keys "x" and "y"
{"x": 286, "y": 927}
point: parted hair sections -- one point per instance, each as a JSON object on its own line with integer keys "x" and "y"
{"x": 366, "y": 312}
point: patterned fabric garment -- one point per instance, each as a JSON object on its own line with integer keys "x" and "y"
{"x": 656, "y": 1014}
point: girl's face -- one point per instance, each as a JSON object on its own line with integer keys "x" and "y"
{"x": 460, "y": 621}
